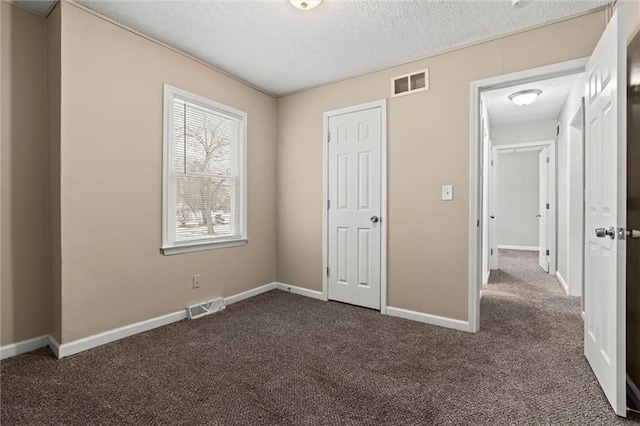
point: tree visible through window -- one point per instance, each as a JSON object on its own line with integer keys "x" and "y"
{"x": 204, "y": 184}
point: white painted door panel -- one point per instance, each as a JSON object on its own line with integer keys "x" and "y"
{"x": 605, "y": 207}
{"x": 543, "y": 210}
{"x": 354, "y": 174}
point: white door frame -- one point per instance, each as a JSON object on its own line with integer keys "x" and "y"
{"x": 575, "y": 66}
{"x": 578, "y": 123}
{"x": 552, "y": 194}
{"x": 382, "y": 104}
{"x": 492, "y": 177}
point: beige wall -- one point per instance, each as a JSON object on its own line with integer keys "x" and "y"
{"x": 53, "y": 25}
{"x": 113, "y": 273}
{"x": 428, "y": 146}
{"x": 24, "y": 262}
{"x": 633, "y": 16}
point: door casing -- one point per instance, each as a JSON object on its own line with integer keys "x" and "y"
{"x": 382, "y": 104}
{"x": 552, "y": 192}
{"x": 575, "y": 66}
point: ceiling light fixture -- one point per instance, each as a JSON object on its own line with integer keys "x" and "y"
{"x": 305, "y": 4}
{"x": 524, "y": 97}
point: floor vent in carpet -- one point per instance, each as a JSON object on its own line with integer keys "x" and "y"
{"x": 205, "y": 308}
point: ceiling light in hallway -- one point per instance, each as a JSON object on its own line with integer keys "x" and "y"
{"x": 305, "y": 4}
{"x": 524, "y": 97}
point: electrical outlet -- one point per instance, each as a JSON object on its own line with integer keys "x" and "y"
{"x": 196, "y": 281}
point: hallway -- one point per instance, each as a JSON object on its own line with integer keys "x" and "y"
{"x": 521, "y": 278}
{"x": 541, "y": 334}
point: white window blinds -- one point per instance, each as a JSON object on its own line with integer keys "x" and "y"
{"x": 205, "y": 178}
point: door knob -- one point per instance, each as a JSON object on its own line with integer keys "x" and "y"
{"x": 492, "y": 217}
{"x": 602, "y": 232}
{"x": 375, "y": 219}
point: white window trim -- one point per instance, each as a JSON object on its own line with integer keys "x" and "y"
{"x": 169, "y": 246}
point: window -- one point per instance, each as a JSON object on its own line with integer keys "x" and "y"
{"x": 204, "y": 193}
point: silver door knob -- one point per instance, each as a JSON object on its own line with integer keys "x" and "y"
{"x": 602, "y": 232}
{"x": 375, "y": 219}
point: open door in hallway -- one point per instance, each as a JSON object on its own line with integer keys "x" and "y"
{"x": 605, "y": 204}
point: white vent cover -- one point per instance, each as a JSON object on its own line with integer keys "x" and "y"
{"x": 406, "y": 84}
{"x": 205, "y": 308}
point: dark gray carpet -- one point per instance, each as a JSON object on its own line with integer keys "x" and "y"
{"x": 285, "y": 359}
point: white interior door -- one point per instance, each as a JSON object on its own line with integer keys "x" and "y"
{"x": 543, "y": 213}
{"x": 605, "y": 198}
{"x": 493, "y": 209}
{"x": 354, "y": 215}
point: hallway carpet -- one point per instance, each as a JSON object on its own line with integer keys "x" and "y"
{"x": 280, "y": 358}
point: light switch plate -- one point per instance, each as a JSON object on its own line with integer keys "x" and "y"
{"x": 447, "y": 192}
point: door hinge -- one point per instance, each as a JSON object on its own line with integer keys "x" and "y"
{"x": 327, "y": 271}
{"x": 547, "y": 159}
{"x": 478, "y": 225}
{"x": 491, "y": 252}
{"x": 547, "y": 252}
{"x": 547, "y": 206}
{"x": 328, "y": 137}
{"x": 492, "y": 162}
{"x": 328, "y": 204}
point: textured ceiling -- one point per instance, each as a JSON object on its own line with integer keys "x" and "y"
{"x": 41, "y": 6}
{"x": 281, "y": 49}
{"x": 502, "y": 111}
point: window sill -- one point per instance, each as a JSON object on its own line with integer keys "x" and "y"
{"x": 190, "y": 248}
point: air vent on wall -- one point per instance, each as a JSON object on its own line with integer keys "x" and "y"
{"x": 410, "y": 83}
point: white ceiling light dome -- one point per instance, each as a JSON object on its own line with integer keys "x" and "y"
{"x": 525, "y": 97}
{"x": 305, "y": 4}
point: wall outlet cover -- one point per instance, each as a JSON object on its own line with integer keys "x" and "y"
{"x": 447, "y": 192}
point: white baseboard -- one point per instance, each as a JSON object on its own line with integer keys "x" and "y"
{"x": 563, "y": 283}
{"x": 527, "y": 248}
{"x": 80, "y": 345}
{"x": 635, "y": 392}
{"x": 485, "y": 277}
{"x": 24, "y": 346}
{"x": 428, "y": 318}
{"x": 394, "y": 312}
{"x": 300, "y": 290}
{"x": 103, "y": 338}
{"x": 54, "y": 345}
{"x": 249, "y": 293}
{"x": 91, "y": 342}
